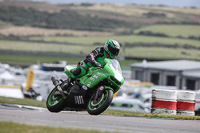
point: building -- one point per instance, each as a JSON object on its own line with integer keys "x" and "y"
{"x": 184, "y": 74}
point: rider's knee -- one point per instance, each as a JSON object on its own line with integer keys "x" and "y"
{"x": 77, "y": 72}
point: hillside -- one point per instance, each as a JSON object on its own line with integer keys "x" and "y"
{"x": 151, "y": 32}
{"x": 94, "y": 17}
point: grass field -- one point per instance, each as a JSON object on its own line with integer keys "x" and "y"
{"x": 139, "y": 52}
{"x": 173, "y": 30}
{"x": 195, "y": 11}
{"x": 44, "y": 47}
{"x": 27, "y": 102}
{"x": 10, "y": 127}
{"x": 138, "y": 10}
{"x": 121, "y": 39}
{"x": 162, "y": 53}
{"x": 33, "y": 59}
{"x": 28, "y": 31}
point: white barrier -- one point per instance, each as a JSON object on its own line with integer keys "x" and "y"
{"x": 164, "y": 102}
{"x": 186, "y": 103}
{"x": 173, "y": 102}
{"x": 11, "y": 91}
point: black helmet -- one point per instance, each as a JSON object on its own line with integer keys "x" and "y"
{"x": 112, "y": 48}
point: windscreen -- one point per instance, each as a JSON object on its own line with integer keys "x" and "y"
{"x": 116, "y": 65}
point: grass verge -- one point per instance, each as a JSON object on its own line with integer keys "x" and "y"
{"x": 31, "y": 102}
{"x": 10, "y": 127}
{"x": 167, "y": 48}
{"x": 158, "y": 116}
{"x": 34, "y": 59}
{"x": 28, "y": 102}
{"x": 120, "y": 39}
{"x": 178, "y": 30}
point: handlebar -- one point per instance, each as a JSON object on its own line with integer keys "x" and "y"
{"x": 100, "y": 67}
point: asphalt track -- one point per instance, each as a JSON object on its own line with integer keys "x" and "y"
{"x": 82, "y": 120}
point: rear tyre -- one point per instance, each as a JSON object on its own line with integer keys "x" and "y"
{"x": 96, "y": 107}
{"x": 55, "y": 102}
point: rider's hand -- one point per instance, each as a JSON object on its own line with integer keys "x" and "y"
{"x": 97, "y": 64}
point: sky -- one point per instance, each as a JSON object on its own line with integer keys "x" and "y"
{"x": 175, "y": 3}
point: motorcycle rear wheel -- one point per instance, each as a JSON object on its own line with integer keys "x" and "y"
{"x": 55, "y": 103}
{"x": 97, "y": 107}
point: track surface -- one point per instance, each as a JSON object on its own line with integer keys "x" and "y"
{"x": 82, "y": 120}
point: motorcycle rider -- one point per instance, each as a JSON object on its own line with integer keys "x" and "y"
{"x": 94, "y": 59}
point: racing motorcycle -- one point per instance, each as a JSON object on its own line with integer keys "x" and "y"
{"x": 92, "y": 92}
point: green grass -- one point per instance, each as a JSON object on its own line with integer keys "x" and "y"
{"x": 44, "y": 47}
{"x": 162, "y": 53}
{"x": 73, "y": 39}
{"x": 85, "y": 46}
{"x": 125, "y": 64}
{"x": 173, "y": 30}
{"x": 121, "y": 39}
{"x": 137, "y": 52}
{"x": 27, "y": 102}
{"x": 33, "y": 59}
{"x": 134, "y": 114}
{"x": 10, "y": 127}
{"x": 141, "y": 52}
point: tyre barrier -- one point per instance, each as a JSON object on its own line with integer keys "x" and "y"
{"x": 164, "y": 102}
{"x": 186, "y": 103}
{"x": 173, "y": 102}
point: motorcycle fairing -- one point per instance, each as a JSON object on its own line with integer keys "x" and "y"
{"x": 77, "y": 97}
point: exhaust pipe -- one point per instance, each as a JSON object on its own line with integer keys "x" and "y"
{"x": 56, "y": 83}
{"x": 55, "y": 80}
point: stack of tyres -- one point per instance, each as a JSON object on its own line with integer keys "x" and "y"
{"x": 186, "y": 103}
{"x": 164, "y": 102}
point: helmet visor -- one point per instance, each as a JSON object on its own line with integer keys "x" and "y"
{"x": 114, "y": 51}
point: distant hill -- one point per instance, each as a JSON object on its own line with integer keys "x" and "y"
{"x": 94, "y": 17}
{"x": 145, "y": 32}
{"x": 64, "y": 19}
{"x": 173, "y": 3}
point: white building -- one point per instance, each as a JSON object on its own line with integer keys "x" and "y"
{"x": 184, "y": 74}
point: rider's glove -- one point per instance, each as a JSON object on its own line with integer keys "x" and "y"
{"x": 96, "y": 64}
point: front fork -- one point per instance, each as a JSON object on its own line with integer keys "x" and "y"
{"x": 99, "y": 92}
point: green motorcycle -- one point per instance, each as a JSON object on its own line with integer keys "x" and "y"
{"x": 92, "y": 92}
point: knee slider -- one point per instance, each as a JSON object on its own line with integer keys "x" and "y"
{"x": 77, "y": 72}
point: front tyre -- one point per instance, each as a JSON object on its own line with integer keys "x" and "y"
{"x": 55, "y": 102}
{"x": 96, "y": 107}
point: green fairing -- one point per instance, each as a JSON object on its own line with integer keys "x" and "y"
{"x": 67, "y": 70}
{"x": 95, "y": 76}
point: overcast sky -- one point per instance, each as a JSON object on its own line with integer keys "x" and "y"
{"x": 177, "y": 3}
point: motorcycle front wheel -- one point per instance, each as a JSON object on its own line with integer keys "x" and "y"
{"x": 96, "y": 107}
{"x": 55, "y": 102}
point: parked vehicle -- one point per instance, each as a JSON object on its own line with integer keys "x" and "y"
{"x": 140, "y": 103}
